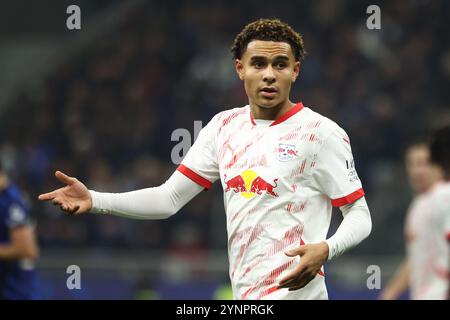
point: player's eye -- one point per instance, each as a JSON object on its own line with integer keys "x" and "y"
{"x": 280, "y": 65}
{"x": 258, "y": 64}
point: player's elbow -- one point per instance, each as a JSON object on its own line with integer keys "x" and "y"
{"x": 23, "y": 243}
{"x": 24, "y": 252}
{"x": 367, "y": 225}
{"x": 171, "y": 209}
{"x": 169, "y": 212}
{"x": 29, "y": 252}
{"x": 34, "y": 252}
{"x": 162, "y": 214}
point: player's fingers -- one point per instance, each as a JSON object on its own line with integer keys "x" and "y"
{"x": 64, "y": 178}
{"x": 291, "y": 253}
{"x": 296, "y": 251}
{"x": 301, "y": 283}
{"x": 66, "y": 208}
{"x": 72, "y": 209}
{"x": 75, "y": 209}
{"x": 297, "y": 283}
{"x": 63, "y": 205}
{"x": 47, "y": 196}
{"x": 286, "y": 283}
{"x": 289, "y": 282}
{"x": 302, "y": 249}
{"x": 291, "y": 278}
{"x": 297, "y": 287}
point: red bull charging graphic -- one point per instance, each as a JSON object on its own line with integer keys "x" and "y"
{"x": 249, "y": 184}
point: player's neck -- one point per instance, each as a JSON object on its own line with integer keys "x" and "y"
{"x": 270, "y": 113}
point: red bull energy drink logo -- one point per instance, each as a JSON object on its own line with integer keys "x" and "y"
{"x": 249, "y": 183}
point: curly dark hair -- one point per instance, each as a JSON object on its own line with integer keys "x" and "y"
{"x": 440, "y": 149}
{"x": 268, "y": 30}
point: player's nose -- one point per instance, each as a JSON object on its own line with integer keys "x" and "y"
{"x": 269, "y": 75}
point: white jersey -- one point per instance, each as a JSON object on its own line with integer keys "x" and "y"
{"x": 427, "y": 236}
{"x": 280, "y": 180}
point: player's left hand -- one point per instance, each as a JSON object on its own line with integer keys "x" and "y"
{"x": 313, "y": 256}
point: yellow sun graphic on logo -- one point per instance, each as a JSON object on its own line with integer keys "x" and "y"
{"x": 248, "y": 176}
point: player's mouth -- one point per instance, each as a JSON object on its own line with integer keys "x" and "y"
{"x": 268, "y": 92}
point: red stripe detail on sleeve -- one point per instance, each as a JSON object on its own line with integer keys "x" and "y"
{"x": 448, "y": 236}
{"x": 352, "y": 197}
{"x": 194, "y": 176}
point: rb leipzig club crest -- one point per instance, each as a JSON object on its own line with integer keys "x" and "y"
{"x": 286, "y": 152}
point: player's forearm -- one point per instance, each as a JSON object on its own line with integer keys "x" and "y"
{"x": 8, "y": 252}
{"x": 399, "y": 282}
{"x": 13, "y": 252}
{"x": 150, "y": 203}
{"x": 355, "y": 227}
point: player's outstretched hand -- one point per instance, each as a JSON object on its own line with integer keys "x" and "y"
{"x": 74, "y": 198}
{"x": 313, "y": 256}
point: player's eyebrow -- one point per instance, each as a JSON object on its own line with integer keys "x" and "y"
{"x": 279, "y": 57}
{"x": 282, "y": 57}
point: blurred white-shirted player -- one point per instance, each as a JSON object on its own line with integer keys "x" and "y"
{"x": 282, "y": 167}
{"x": 425, "y": 269}
{"x": 434, "y": 283}
{"x": 422, "y": 175}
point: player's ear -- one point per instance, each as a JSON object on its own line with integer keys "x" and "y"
{"x": 296, "y": 71}
{"x": 239, "y": 68}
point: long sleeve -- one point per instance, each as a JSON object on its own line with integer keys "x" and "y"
{"x": 355, "y": 227}
{"x": 151, "y": 203}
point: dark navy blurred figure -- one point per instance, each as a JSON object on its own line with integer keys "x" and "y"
{"x": 18, "y": 246}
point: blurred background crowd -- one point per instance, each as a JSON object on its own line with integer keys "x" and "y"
{"x": 104, "y": 111}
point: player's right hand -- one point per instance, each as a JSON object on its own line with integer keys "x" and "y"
{"x": 74, "y": 198}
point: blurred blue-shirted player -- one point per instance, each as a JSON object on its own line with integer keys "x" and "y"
{"x": 18, "y": 246}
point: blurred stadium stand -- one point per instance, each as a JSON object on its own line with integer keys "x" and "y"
{"x": 101, "y": 103}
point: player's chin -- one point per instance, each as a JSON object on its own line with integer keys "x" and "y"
{"x": 268, "y": 103}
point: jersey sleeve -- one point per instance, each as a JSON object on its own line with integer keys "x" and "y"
{"x": 334, "y": 172}
{"x": 16, "y": 216}
{"x": 200, "y": 163}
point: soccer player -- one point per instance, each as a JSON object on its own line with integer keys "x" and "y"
{"x": 422, "y": 175}
{"x": 436, "y": 284}
{"x": 282, "y": 167}
{"x": 18, "y": 247}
